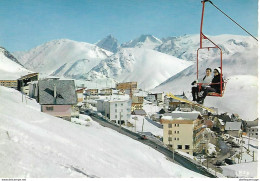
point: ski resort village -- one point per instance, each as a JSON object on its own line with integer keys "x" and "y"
{"x": 139, "y": 109}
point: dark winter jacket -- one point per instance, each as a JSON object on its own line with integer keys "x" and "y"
{"x": 216, "y": 83}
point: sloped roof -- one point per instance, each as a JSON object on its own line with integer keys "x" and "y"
{"x": 233, "y": 126}
{"x": 139, "y": 112}
{"x": 65, "y": 91}
{"x": 251, "y": 123}
{"x": 183, "y": 115}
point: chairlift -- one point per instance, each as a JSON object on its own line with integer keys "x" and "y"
{"x": 214, "y": 46}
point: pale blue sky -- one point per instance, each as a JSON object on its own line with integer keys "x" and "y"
{"x": 25, "y": 24}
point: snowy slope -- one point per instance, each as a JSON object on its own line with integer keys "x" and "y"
{"x": 34, "y": 144}
{"x": 63, "y": 58}
{"x": 239, "y": 68}
{"x": 144, "y": 41}
{"x": 10, "y": 68}
{"x": 148, "y": 67}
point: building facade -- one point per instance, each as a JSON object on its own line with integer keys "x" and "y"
{"x": 126, "y": 85}
{"x": 182, "y": 130}
{"x": 117, "y": 110}
{"x": 9, "y": 83}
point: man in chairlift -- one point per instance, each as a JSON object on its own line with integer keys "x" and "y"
{"x": 213, "y": 87}
{"x": 202, "y": 85}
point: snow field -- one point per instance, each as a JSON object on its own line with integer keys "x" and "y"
{"x": 34, "y": 144}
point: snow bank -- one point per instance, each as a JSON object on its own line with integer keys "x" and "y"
{"x": 34, "y": 144}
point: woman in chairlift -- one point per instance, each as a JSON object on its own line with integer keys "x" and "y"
{"x": 214, "y": 86}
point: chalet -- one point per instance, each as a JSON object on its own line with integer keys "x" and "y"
{"x": 233, "y": 128}
{"x": 57, "y": 97}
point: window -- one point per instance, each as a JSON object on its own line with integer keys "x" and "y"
{"x": 169, "y": 132}
{"x": 178, "y": 132}
{"x": 169, "y": 138}
{"x": 115, "y": 110}
{"x": 116, "y": 105}
{"x": 169, "y": 125}
{"x": 50, "y": 108}
{"x": 122, "y": 104}
{"x": 174, "y": 138}
{"x": 178, "y": 125}
{"x": 187, "y": 147}
{"x": 115, "y": 116}
{"x": 175, "y": 132}
{"x": 174, "y": 125}
{"x": 179, "y": 146}
{"x": 177, "y": 139}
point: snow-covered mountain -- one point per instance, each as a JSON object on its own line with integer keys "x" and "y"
{"x": 63, "y": 58}
{"x": 109, "y": 43}
{"x": 240, "y": 57}
{"x": 37, "y": 145}
{"x": 10, "y": 67}
{"x": 144, "y": 41}
{"x": 185, "y": 47}
{"x": 148, "y": 67}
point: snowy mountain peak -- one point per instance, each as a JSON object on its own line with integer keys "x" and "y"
{"x": 64, "y": 58}
{"x": 109, "y": 43}
{"x": 8, "y": 55}
{"x": 10, "y": 68}
{"x": 144, "y": 41}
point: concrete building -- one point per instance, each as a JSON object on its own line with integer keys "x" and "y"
{"x": 156, "y": 98}
{"x": 183, "y": 130}
{"x": 137, "y": 102}
{"x": 115, "y": 108}
{"x": 253, "y": 132}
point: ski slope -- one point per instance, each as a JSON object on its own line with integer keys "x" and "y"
{"x": 34, "y": 144}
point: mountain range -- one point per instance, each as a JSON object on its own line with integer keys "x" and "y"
{"x": 166, "y": 65}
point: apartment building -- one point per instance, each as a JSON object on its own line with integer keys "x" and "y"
{"x": 116, "y": 108}
{"x": 183, "y": 130}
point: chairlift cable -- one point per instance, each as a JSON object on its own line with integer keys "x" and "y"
{"x": 232, "y": 19}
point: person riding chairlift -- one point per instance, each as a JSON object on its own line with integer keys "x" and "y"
{"x": 205, "y": 82}
{"x": 213, "y": 87}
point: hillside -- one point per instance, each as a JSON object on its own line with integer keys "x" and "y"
{"x": 10, "y": 68}
{"x": 148, "y": 67}
{"x": 35, "y": 145}
{"x": 63, "y": 58}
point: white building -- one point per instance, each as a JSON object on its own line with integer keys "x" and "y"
{"x": 116, "y": 108}
{"x": 155, "y": 98}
